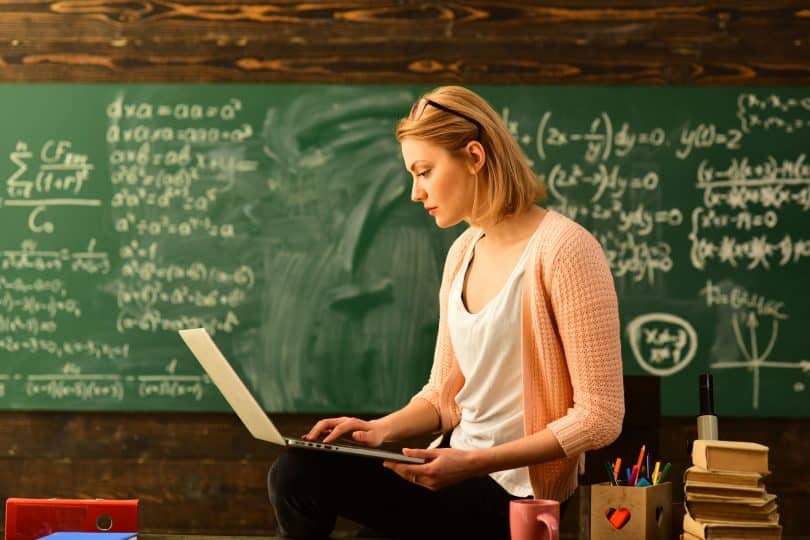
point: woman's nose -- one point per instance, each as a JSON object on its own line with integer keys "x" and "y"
{"x": 417, "y": 193}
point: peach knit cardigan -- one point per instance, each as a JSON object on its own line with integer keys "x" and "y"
{"x": 571, "y": 356}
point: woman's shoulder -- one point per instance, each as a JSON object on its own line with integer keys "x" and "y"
{"x": 459, "y": 246}
{"x": 558, "y": 231}
{"x": 564, "y": 243}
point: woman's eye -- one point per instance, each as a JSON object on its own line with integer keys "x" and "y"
{"x": 424, "y": 173}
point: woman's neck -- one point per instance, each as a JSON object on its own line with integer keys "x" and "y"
{"x": 514, "y": 229}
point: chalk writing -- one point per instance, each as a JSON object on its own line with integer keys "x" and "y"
{"x": 748, "y": 309}
{"x": 58, "y": 178}
{"x": 775, "y": 186}
{"x": 773, "y": 112}
{"x": 85, "y": 349}
{"x": 601, "y": 140}
{"x": 706, "y": 136}
{"x": 31, "y": 304}
{"x": 174, "y": 386}
{"x": 28, "y": 257}
{"x": 662, "y": 343}
{"x": 144, "y": 110}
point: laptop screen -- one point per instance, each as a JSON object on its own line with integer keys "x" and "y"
{"x": 233, "y": 389}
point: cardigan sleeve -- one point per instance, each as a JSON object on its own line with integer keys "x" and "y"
{"x": 443, "y": 354}
{"x": 583, "y": 297}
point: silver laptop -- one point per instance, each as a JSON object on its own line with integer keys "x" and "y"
{"x": 251, "y": 413}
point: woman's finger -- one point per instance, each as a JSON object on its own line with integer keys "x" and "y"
{"x": 428, "y": 454}
{"x": 320, "y": 427}
{"x": 348, "y": 425}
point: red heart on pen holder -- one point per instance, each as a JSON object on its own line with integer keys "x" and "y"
{"x": 618, "y": 517}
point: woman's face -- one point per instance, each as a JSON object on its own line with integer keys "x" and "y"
{"x": 444, "y": 184}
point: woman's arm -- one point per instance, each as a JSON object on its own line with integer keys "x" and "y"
{"x": 447, "y": 466}
{"x": 535, "y": 448}
{"x": 416, "y": 418}
{"x": 586, "y": 310}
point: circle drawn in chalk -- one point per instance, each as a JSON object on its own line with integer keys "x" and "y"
{"x": 662, "y": 343}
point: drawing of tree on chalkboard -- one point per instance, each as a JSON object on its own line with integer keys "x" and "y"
{"x": 348, "y": 256}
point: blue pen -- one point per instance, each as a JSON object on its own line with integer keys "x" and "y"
{"x": 629, "y": 476}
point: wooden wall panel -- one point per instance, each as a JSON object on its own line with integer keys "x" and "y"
{"x": 213, "y": 496}
{"x": 628, "y": 42}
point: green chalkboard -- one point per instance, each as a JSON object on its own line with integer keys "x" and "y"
{"x": 278, "y": 216}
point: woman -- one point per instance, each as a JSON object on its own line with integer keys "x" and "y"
{"x": 527, "y": 371}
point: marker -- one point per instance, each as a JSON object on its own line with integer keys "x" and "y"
{"x": 617, "y": 468}
{"x": 637, "y": 469}
{"x": 655, "y": 472}
{"x": 664, "y": 472}
{"x": 629, "y": 474}
{"x": 634, "y": 476}
{"x": 612, "y": 479}
{"x": 707, "y": 420}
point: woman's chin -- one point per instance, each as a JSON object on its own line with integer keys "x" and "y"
{"x": 443, "y": 223}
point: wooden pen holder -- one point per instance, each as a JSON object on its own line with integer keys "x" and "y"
{"x": 649, "y": 508}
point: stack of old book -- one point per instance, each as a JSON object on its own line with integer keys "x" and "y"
{"x": 725, "y": 494}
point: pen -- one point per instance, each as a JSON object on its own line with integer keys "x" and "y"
{"x": 664, "y": 472}
{"x": 612, "y": 479}
{"x": 617, "y": 468}
{"x": 637, "y": 468}
{"x": 629, "y": 474}
{"x": 641, "y": 455}
{"x": 655, "y": 472}
{"x": 634, "y": 475}
{"x": 649, "y": 469}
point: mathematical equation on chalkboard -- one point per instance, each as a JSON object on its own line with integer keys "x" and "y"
{"x": 71, "y": 383}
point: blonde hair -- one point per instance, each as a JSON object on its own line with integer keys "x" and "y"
{"x": 507, "y": 185}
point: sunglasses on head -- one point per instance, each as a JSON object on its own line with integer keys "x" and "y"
{"x": 419, "y": 108}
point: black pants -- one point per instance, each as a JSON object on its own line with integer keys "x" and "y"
{"x": 309, "y": 489}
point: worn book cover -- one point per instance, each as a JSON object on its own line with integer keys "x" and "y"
{"x": 729, "y": 478}
{"x": 730, "y": 456}
{"x": 760, "y": 511}
{"x": 715, "y": 492}
{"x": 727, "y": 530}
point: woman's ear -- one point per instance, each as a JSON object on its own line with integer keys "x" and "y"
{"x": 477, "y": 155}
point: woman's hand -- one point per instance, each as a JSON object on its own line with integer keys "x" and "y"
{"x": 444, "y": 467}
{"x": 366, "y": 432}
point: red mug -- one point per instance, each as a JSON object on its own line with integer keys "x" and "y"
{"x": 534, "y": 519}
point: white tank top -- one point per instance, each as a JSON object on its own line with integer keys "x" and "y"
{"x": 487, "y": 347}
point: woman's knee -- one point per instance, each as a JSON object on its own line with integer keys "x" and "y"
{"x": 281, "y": 476}
{"x": 295, "y": 470}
